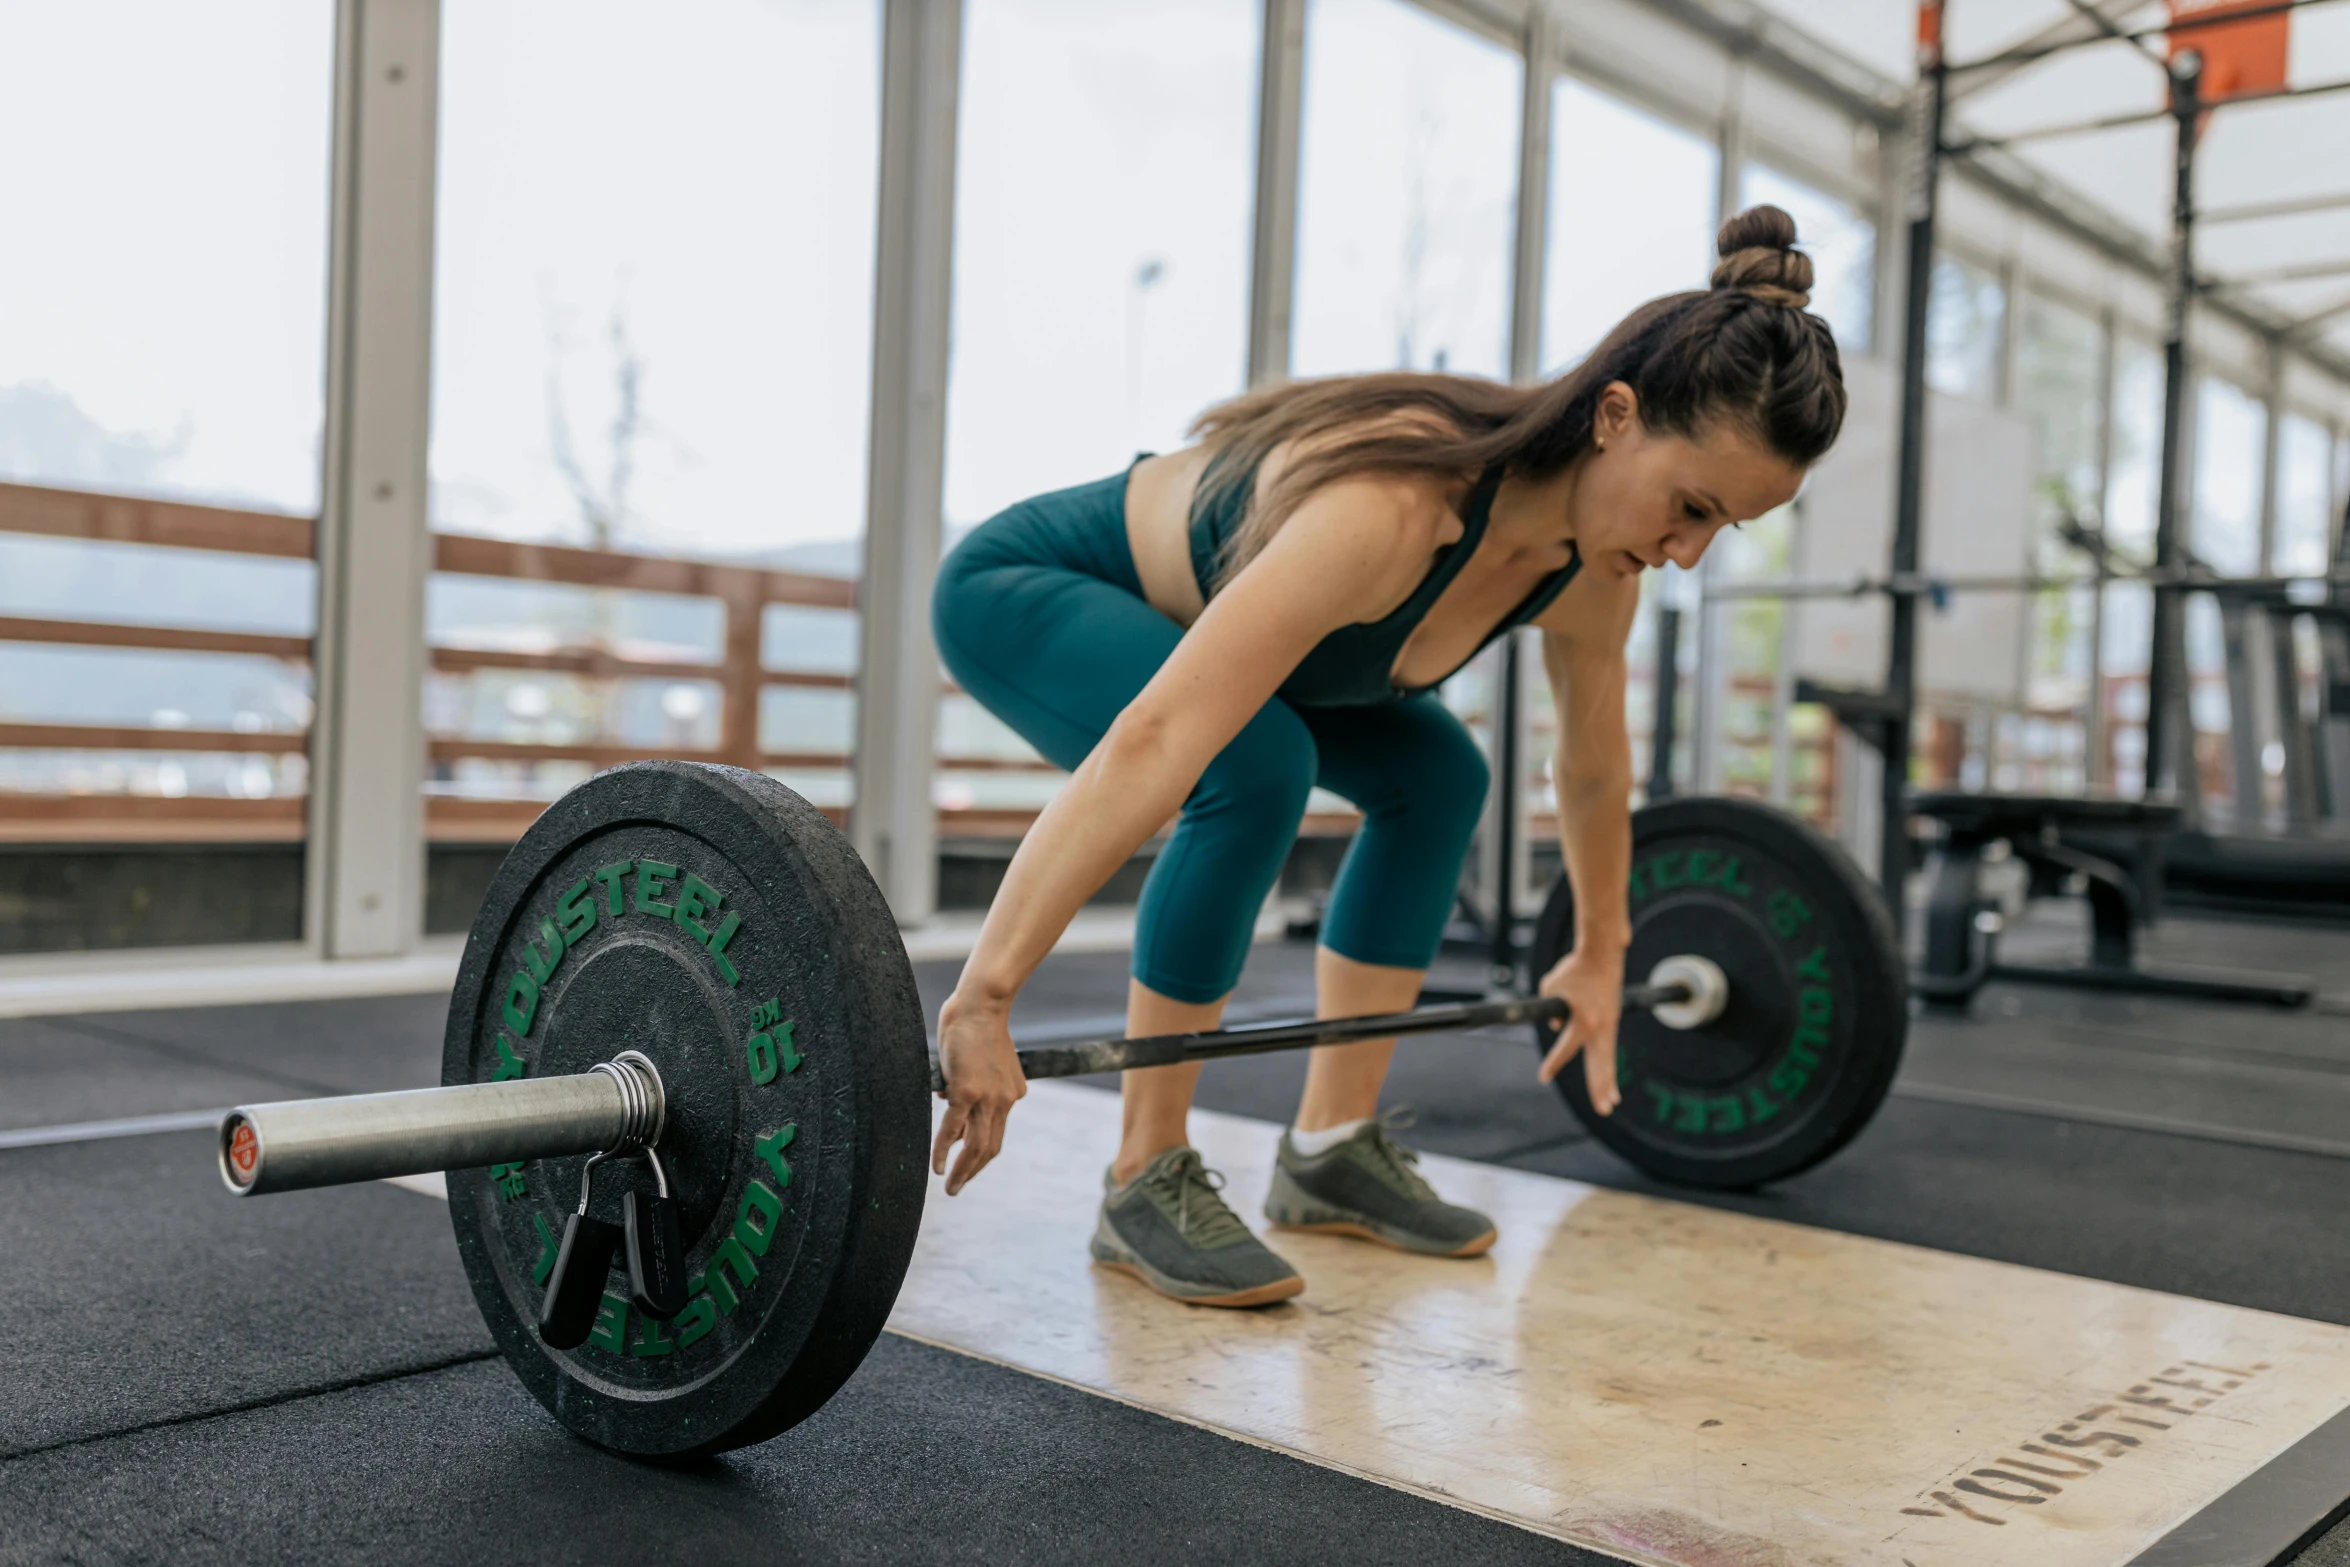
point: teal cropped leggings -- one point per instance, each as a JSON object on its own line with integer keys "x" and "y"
{"x": 1040, "y": 616}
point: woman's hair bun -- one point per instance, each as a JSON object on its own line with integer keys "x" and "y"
{"x": 1758, "y": 254}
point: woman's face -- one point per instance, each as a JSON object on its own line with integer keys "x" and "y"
{"x": 1643, "y": 499}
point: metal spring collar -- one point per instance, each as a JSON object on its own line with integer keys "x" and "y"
{"x": 643, "y": 1106}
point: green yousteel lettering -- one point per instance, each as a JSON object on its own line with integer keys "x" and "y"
{"x": 695, "y": 897}
{"x": 577, "y": 911}
{"x": 1729, "y": 882}
{"x": 1663, "y": 1097}
{"x": 729, "y": 1255}
{"x": 611, "y": 876}
{"x": 1815, "y": 967}
{"x": 543, "y": 969}
{"x": 1760, "y": 1106}
{"x": 1703, "y": 866}
{"x": 652, "y": 880}
{"x": 783, "y": 1043}
{"x": 1665, "y": 870}
{"x": 770, "y": 1147}
{"x": 610, "y": 1334}
{"x": 510, "y": 1064}
{"x": 1639, "y": 892}
{"x": 1725, "y": 1115}
{"x": 650, "y": 1340}
{"x": 718, "y": 940}
{"x": 524, "y": 990}
{"x": 760, "y": 1203}
{"x": 698, "y": 1318}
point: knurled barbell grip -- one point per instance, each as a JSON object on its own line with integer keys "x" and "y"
{"x": 1117, "y": 1055}
{"x": 300, "y": 1143}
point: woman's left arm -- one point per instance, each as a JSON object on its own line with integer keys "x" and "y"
{"x": 1583, "y": 635}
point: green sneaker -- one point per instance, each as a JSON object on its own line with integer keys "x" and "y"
{"x": 1170, "y": 1229}
{"x": 1370, "y": 1185}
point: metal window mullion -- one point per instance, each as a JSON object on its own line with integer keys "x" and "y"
{"x": 2271, "y": 451}
{"x": 1537, "y": 43}
{"x": 365, "y": 879}
{"x": 1709, "y": 691}
{"x": 1273, "y": 238}
{"x": 892, "y": 820}
{"x": 2095, "y": 762}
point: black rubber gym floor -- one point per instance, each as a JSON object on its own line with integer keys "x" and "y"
{"x": 192, "y": 1378}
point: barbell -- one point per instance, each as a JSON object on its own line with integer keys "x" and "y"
{"x": 685, "y": 1043}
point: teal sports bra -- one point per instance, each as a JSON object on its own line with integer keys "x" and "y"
{"x": 1351, "y": 666}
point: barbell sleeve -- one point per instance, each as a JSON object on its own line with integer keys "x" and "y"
{"x": 300, "y": 1143}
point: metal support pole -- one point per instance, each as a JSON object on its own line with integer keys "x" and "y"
{"x": 1668, "y": 700}
{"x": 892, "y": 819}
{"x": 1925, "y": 152}
{"x": 2169, "y": 730}
{"x": 1273, "y": 246}
{"x": 366, "y": 865}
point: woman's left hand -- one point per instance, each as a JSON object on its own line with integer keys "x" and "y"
{"x": 1591, "y": 981}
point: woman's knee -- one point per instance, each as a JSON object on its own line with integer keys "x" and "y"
{"x": 1263, "y": 776}
{"x": 1441, "y": 781}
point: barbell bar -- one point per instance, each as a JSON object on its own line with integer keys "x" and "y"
{"x": 619, "y": 1105}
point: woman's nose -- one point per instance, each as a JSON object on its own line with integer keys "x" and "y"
{"x": 1684, "y": 549}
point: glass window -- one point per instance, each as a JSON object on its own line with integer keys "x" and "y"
{"x": 653, "y": 334}
{"x": 2231, "y": 431}
{"x": 1086, "y": 329}
{"x": 2130, "y": 491}
{"x": 1966, "y": 316}
{"x": 162, "y": 336}
{"x": 1843, "y": 249}
{"x": 1408, "y": 180}
{"x": 1626, "y": 227}
{"x": 1623, "y": 229}
{"x": 2305, "y": 508}
{"x": 2059, "y": 390}
{"x": 1091, "y": 327}
{"x": 2134, "y": 481}
{"x": 2060, "y": 365}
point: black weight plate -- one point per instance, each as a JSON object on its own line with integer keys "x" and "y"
{"x": 1807, "y": 1047}
{"x": 733, "y": 937}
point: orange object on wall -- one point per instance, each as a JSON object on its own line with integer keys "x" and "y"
{"x": 2238, "y": 57}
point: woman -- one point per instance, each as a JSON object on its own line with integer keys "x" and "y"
{"x": 1219, "y": 630}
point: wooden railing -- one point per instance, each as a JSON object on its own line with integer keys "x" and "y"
{"x": 744, "y": 592}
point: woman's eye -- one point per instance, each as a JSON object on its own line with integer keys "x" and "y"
{"x": 1693, "y": 511}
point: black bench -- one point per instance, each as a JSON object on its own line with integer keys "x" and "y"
{"x": 1962, "y": 927}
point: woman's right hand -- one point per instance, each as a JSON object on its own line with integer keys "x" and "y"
{"x": 984, "y": 1081}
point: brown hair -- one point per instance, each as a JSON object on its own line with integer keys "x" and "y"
{"x": 1745, "y": 349}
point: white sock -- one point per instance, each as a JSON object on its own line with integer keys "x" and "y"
{"x": 1315, "y": 1144}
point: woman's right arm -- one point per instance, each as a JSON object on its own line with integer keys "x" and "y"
{"x": 1344, "y": 556}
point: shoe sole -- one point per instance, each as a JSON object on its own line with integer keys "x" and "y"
{"x": 1262, "y": 1295}
{"x": 1475, "y": 1248}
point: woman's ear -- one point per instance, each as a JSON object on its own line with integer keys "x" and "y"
{"x": 1617, "y": 415}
